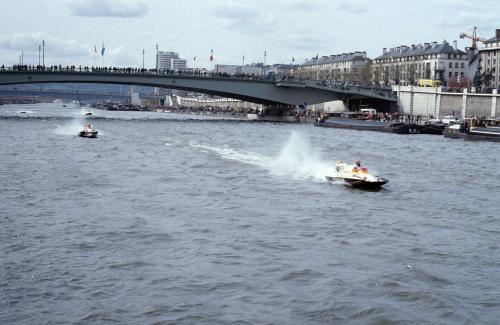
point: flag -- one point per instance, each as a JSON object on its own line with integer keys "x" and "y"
{"x": 194, "y": 58}
{"x": 293, "y": 60}
{"x": 211, "y": 55}
{"x": 95, "y": 48}
{"x": 103, "y": 49}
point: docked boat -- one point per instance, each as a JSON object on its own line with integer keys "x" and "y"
{"x": 429, "y": 128}
{"x": 473, "y": 133}
{"x": 88, "y": 132}
{"x": 357, "y": 176}
{"x": 364, "y": 125}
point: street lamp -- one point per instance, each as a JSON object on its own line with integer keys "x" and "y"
{"x": 143, "y": 58}
{"x": 39, "y": 50}
{"x": 43, "y": 53}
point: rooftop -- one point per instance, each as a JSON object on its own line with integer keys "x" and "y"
{"x": 334, "y": 58}
{"x": 420, "y": 49}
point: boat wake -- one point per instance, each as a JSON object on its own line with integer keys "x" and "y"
{"x": 297, "y": 159}
{"x": 71, "y": 128}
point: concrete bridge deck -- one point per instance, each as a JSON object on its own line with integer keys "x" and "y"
{"x": 247, "y": 88}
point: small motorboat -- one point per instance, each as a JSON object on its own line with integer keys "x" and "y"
{"x": 357, "y": 176}
{"x": 88, "y": 132}
{"x": 89, "y": 113}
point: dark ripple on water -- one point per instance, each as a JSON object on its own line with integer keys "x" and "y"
{"x": 126, "y": 229}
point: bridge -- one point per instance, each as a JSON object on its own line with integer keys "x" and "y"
{"x": 277, "y": 93}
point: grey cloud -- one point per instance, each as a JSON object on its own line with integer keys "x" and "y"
{"x": 353, "y": 6}
{"x": 307, "y": 43}
{"x": 108, "y": 8}
{"x": 29, "y": 42}
{"x": 465, "y": 20}
{"x": 243, "y": 17}
{"x": 304, "y": 5}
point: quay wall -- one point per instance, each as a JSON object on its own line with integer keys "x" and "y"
{"x": 427, "y": 101}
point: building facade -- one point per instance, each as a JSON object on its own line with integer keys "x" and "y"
{"x": 178, "y": 64}
{"x": 346, "y": 67}
{"x": 406, "y": 65}
{"x": 169, "y": 61}
{"x": 490, "y": 62}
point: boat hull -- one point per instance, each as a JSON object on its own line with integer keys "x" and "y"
{"x": 361, "y": 184}
{"x": 362, "y": 125}
{"x": 473, "y": 135}
{"x": 90, "y": 134}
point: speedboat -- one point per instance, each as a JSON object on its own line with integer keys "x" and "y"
{"x": 89, "y": 113}
{"x": 357, "y": 176}
{"x": 88, "y": 132}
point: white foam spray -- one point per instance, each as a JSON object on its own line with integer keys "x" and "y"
{"x": 71, "y": 128}
{"x": 297, "y": 159}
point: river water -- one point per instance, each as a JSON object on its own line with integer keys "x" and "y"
{"x": 184, "y": 219}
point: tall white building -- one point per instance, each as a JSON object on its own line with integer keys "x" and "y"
{"x": 490, "y": 61}
{"x": 169, "y": 61}
{"x": 405, "y": 65}
{"x": 178, "y": 64}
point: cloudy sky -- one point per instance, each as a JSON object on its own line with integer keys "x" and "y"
{"x": 232, "y": 28}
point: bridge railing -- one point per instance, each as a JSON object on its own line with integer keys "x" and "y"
{"x": 134, "y": 71}
{"x": 355, "y": 88}
{"x": 342, "y": 87}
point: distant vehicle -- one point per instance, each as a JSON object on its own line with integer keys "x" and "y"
{"x": 429, "y": 83}
{"x": 449, "y": 119}
{"x": 372, "y": 111}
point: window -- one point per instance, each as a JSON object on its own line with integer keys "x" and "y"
{"x": 463, "y": 65}
{"x": 456, "y": 65}
{"x": 456, "y": 74}
{"x": 451, "y": 65}
{"x": 449, "y": 74}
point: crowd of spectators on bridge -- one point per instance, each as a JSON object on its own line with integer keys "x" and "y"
{"x": 345, "y": 86}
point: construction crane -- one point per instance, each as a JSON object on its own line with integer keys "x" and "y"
{"x": 473, "y": 37}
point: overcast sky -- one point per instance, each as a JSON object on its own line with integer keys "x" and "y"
{"x": 285, "y": 29}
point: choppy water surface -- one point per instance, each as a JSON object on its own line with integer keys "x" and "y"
{"x": 180, "y": 219}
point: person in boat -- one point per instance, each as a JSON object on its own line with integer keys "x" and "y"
{"x": 357, "y": 164}
{"x": 88, "y": 128}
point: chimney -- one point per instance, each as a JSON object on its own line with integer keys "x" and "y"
{"x": 497, "y": 33}
{"x": 434, "y": 44}
{"x": 384, "y": 50}
{"x": 413, "y": 47}
{"x": 455, "y": 45}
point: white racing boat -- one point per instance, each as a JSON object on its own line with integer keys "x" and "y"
{"x": 88, "y": 132}
{"x": 357, "y": 176}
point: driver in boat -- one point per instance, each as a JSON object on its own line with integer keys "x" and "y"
{"x": 357, "y": 164}
{"x": 88, "y": 128}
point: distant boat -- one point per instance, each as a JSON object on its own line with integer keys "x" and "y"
{"x": 462, "y": 131}
{"x": 364, "y": 125}
{"x": 89, "y": 113}
{"x": 88, "y": 132}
